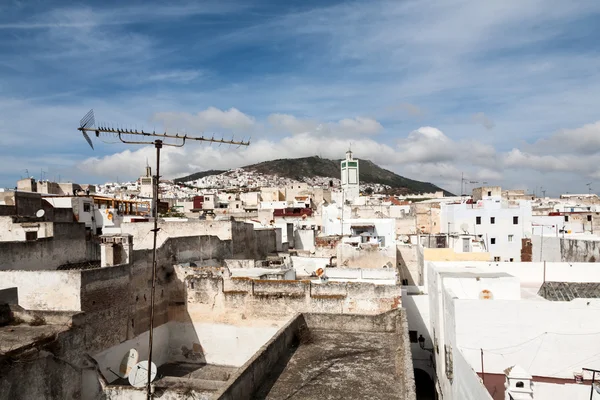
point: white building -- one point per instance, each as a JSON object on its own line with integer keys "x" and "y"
{"x": 499, "y": 224}
{"x": 350, "y": 178}
{"x": 499, "y": 331}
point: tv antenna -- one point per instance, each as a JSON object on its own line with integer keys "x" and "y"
{"x": 589, "y": 185}
{"x": 133, "y": 136}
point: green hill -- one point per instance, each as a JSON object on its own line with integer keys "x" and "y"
{"x": 309, "y": 167}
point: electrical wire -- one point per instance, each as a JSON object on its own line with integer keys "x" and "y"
{"x": 531, "y": 340}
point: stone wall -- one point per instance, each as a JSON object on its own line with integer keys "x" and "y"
{"x": 215, "y": 293}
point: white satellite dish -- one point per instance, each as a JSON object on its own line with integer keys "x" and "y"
{"x": 464, "y": 227}
{"x": 40, "y": 213}
{"x": 138, "y": 376}
{"x": 129, "y": 361}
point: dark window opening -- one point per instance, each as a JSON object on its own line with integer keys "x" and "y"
{"x": 30, "y": 236}
{"x": 520, "y": 384}
{"x": 489, "y": 193}
{"x": 413, "y": 336}
{"x": 87, "y": 207}
{"x": 589, "y": 218}
{"x": 493, "y": 240}
{"x": 515, "y": 220}
{"x": 492, "y": 220}
{"x": 478, "y": 220}
{"x": 566, "y": 218}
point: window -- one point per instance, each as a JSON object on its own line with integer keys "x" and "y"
{"x": 510, "y": 238}
{"x": 515, "y": 220}
{"x": 478, "y": 220}
{"x": 512, "y": 260}
{"x": 589, "y": 218}
{"x": 413, "y": 336}
{"x": 566, "y": 218}
{"x": 87, "y": 207}
{"x": 492, "y": 240}
{"x": 29, "y": 236}
{"x": 496, "y": 258}
{"x": 520, "y": 384}
{"x": 492, "y": 220}
{"x": 489, "y": 193}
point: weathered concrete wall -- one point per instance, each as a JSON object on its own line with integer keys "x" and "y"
{"x": 410, "y": 270}
{"x": 557, "y": 249}
{"x": 250, "y": 376}
{"x": 406, "y": 225}
{"x": 218, "y": 343}
{"x": 304, "y": 266}
{"x": 350, "y": 256}
{"x": 67, "y": 246}
{"x": 45, "y": 290}
{"x": 15, "y": 232}
{"x": 304, "y": 239}
{"x": 47, "y": 377}
{"x": 142, "y": 236}
{"x": 266, "y": 242}
{"x": 110, "y": 359}
{"x": 216, "y": 294}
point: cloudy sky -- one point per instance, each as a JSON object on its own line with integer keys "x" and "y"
{"x": 505, "y": 91}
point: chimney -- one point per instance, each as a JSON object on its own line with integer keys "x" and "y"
{"x": 519, "y": 384}
{"x": 116, "y": 250}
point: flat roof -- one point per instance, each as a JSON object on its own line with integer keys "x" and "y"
{"x": 337, "y": 365}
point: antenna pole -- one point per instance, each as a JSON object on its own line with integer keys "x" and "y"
{"x": 158, "y": 145}
{"x": 87, "y": 124}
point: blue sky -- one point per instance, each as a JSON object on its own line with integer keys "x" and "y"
{"x": 505, "y": 92}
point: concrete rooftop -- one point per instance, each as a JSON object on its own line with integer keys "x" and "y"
{"x": 22, "y": 336}
{"x": 337, "y": 365}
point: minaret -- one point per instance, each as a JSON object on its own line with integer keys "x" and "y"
{"x": 350, "y": 183}
{"x": 148, "y": 170}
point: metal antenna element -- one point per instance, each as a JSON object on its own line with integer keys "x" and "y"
{"x": 87, "y": 124}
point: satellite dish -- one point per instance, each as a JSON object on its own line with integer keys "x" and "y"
{"x": 130, "y": 359}
{"x": 40, "y": 213}
{"x": 138, "y": 376}
{"x": 464, "y": 227}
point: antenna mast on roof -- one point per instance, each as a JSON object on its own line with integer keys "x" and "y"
{"x": 87, "y": 124}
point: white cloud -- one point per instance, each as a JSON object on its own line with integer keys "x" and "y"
{"x": 344, "y": 127}
{"x": 177, "y": 76}
{"x": 290, "y": 124}
{"x": 484, "y": 120}
{"x": 582, "y": 140}
{"x": 211, "y": 118}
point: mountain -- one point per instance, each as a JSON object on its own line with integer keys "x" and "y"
{"x": 310, "y": 167}
{"x": 369, "y": 172}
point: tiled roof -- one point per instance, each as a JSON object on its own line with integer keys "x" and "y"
{"x": 567, "y": 291}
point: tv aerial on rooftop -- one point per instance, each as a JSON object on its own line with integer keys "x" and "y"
{"x": 133, "y": 136}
